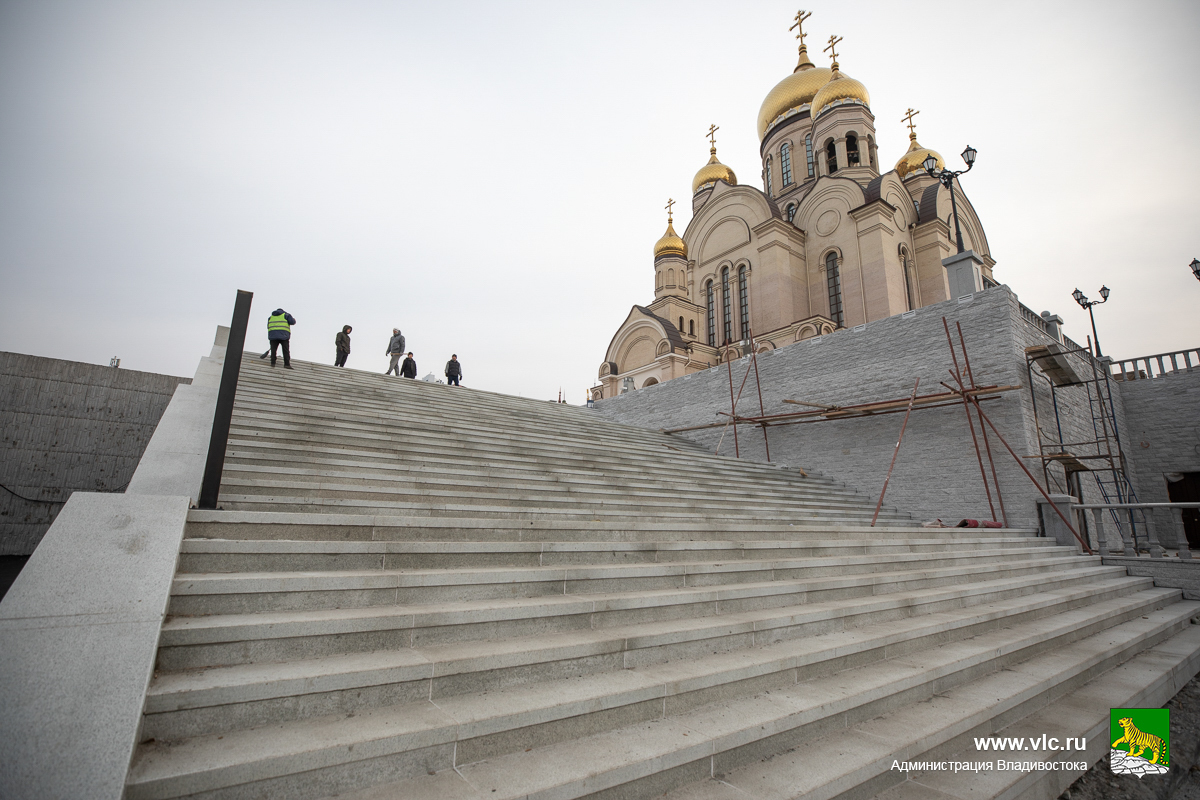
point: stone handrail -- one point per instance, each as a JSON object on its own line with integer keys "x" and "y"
{"x": 1128, "y": 548}
{"x": 1156, "y": 366}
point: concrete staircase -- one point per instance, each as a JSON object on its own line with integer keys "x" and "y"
{"x": 421, "y": 591}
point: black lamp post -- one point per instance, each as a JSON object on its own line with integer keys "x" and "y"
{"x": 1195, "y": 265}
{"x": 1081, "y": 298}
{"x": 947, "y": 179}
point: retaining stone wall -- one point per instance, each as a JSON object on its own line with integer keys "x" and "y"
{"x": 64, "y": 427}
{"x": 1163, "y": 435}
{"x": 936, "y": 473}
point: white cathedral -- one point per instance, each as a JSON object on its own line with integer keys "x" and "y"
{"x": 829, "y": 242}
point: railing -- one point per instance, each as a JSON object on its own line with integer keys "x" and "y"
{"x": 1130, "y": 547}
{"x": 1034, "y": 319}
{"x": 1147, "y": 367}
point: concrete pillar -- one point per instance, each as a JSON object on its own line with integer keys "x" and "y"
{"x": 839, "y": 145}
{"x": 1053, "y": 525}
{"x": 1054, "y": 324}
{"x": 964, "y": 274}
{"x": 1185, "y": 552}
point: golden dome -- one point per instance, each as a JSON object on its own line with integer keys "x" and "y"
{"x": 793, "y": 92}
{"x": 670, "y": 244}
{"x": 840, "y": 89}
{"x": 712, "y": 172}
{"x": 913, "y": 160}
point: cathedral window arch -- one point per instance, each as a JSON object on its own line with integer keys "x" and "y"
{"x": 830, "y": 157}
{"x": 908, "y": 269}
{"x": 712, "y": 315}
{"x": 767, "y": 178}
{"x": 791, "y": 212}
{"x": 852, "y": 159}
{"x": 808, "y": 154}
{"x": 785, "y": 163}
{"x": 726, "y": 315}
{"x": 681, "y": 324}
{"x": 658, "y": 280}
{"x": 744, "y": 301}
{"x": 670, "y": 277}
{"x": 691, "y": 327}
{"x": 833, "y": 280}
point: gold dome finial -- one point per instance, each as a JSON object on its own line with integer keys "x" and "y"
{"x": 833, "y": 40}
{"x": 714, "y": 170}
{"x": 914, "y": 159}
{"x": 804, "y": 62}
{"x": 670, "y": 244}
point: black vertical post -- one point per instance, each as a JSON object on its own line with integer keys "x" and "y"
{"x": 215, "y": 464}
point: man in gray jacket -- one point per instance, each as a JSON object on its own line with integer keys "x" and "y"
{"x": 395, "y": 349}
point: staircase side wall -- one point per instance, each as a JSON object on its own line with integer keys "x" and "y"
{"x": 936, "y": 474}
{"x": 1163, "y": 436}
{"x": 66, "y": 427}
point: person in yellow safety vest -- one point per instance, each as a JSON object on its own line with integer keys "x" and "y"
{"x": 279, "y": 331}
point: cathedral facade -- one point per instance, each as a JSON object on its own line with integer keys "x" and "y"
{"x": 830, "y": 241}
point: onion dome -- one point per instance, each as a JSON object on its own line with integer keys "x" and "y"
{"x": 913, "y": 160}
{"x": 712, "y": 172}
{"x": 792, "y": 94}
{"x": 840, "y": 90}
{"x": 670, "y": 244}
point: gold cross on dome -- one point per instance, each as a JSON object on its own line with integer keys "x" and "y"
{"x": 670, "y": 202}
{"x": 833, "y": 40}
{"x": 712, "y": 134}
{"x": 801, "y": 15}
{"x": 908, "y": 117}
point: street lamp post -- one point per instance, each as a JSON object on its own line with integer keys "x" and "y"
{"x": 1081, "y": 298}
{"x": 1195, "y": 265}
{"x": 947, "y": 179}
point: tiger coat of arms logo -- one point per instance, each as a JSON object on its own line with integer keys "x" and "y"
{"x": 1141, "y": 739}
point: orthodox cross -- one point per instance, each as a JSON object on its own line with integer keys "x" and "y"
{"x": 912, "y": 128}
{"x": 833, "y": 40}
{"x": 670, "y": 202}
{"x": 801, "y": 15}
{"x": 712, "y": 134}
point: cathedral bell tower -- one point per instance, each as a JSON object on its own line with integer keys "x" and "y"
{"x": 670, "y": 262}
{"x": 843, "y": 134}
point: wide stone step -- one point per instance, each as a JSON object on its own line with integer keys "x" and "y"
{"x": 234, "y": 555}
{"x": 485, "y": 737}
{"x": 1065, "y": 694}
{"x": 184, "y": 704}
{"x": 244, "y": 592}
{"x": 215, "y": 640}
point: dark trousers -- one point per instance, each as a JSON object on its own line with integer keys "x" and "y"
{"x": 452, "y": 380}
{"x": 287, "y": 351}
{"x": 340, "y": 361}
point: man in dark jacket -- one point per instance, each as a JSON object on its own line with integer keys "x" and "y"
{"x": 279, "y": 331}
{"x": 342, "y": 342}
{"x": 453, "y": 371}
{"x": 395, "y": 349}
{"x": 409, "y": 368}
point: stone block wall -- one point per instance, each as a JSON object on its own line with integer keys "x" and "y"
{"x": 937, "y": 473}
{"x": 1163, "y": 436}
{"x": 65, "y": 427}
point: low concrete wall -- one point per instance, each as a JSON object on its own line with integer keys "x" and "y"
{"x": 66, "y": 427}
{"x": 937, "y": 473}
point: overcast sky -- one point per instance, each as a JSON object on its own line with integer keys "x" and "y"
{"x": 489, "y": 177}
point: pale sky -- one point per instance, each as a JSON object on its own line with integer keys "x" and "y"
{"x": 490, "y": 177}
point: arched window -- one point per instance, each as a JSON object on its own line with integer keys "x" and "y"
{"x": 767, "y": 177}
{"x": 670, "y": 277}
{"x": 907, "y": 266}
{"x": 791, "y": 212}
{"x": 852, "y": 150}
{"x": 691, "y": 327}
{"x": 658, "y": 280}
{"x": 744, "y": 297}
{"x": 808, "y": 152}
{"x": 726, "y": 317}
{"x": 834, "y": 280}
{"x": 681, "y": 324}
{"x": 712, "y": 314}
{"x": 785, "y": 163}
{"x": 831, "y": 157}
